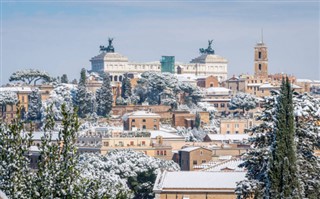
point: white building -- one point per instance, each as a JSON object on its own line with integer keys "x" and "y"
{"x": 116, "y": 64}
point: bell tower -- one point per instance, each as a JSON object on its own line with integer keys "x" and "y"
{"x": 261, "y": 59}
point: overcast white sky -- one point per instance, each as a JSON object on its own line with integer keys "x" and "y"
{"x": 60, "y": 37}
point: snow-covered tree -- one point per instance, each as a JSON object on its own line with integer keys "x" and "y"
{"x": 282, "y": 169}
{"x": 257, "y": 160}
{"x": 15, "y": 174}
{"x": 61, "y": 94}
{"x": 126, "y": 87}
{"x": 8, "y": 97}
{"x": 30, "y": 75}
{"x": 129, "y": 171}
{"x": 104, "y": 97}
{"x": 34, "y": 105}
{"x": 84, "y": 100}
{"x": 243, "y": 101}
{"x": 64, "y": 79}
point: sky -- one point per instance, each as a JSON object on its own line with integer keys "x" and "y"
{"x": 62, "y": 36}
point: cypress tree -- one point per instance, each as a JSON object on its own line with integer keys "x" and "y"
{"x": 34, "y": 105}
{"x": 126, "y": 91}
{"x": 104, "y": 97}
{"x": 84, "y": 98}
{"x": 282, "y": 173}
{"x": 197, "y": 120}
{"x": 64, "y": 79}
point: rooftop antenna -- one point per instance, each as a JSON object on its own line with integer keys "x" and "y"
{"x": 261, "y": 35}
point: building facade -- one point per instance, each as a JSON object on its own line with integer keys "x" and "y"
{"x": 116, "y": 64}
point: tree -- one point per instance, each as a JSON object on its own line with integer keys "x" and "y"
{"x": 83, "y": 97}
{"x": 127, "y": 171}
{"x": 15, "y": 174}
{"x": 243, "y": 101}
{"x": 282, "y": 173}
{"x": 30, "y": 75}
{"x": 197, "y": 120}
{"x": 104, "y": 97}
{"x": 126, "y": 87}
{"x": 258, "y": 160}
{"x": 64, "y": 79}
{"x": 34, "y": 105}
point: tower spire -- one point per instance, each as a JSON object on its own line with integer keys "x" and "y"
{"x": 261, "y": 35}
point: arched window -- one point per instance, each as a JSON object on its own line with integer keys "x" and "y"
{"x": 111, "y": 78}
{"x": 115, "y": 78}
{"x": 259, "y": 66}
{"x": 120, "y": 78}
{"x": 259, "y": 55}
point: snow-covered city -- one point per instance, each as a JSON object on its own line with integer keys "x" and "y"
{"x": 166, "y": 129}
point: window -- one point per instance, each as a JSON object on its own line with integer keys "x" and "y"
{"x": 204, "y": 161}
{"x": 161, "y": 152}
{"x": 195, "y": 162}
{"x": 143, "y": 120}
{"x": 228, "y": 132}
{"x": 237, "y": 132}
{"x": 106, "y": 143}
{"x": 222, "y": 105}
{"x": 154, "y": 120}
{"x": 158, "y": 152}
{"x": 144, "y": 127}
{"x": 236, "y": 125}
{"x": 164, "y": 152}
{"x": 215, "y": 105}
{"x": 259, "y": 55}
{"x": 131, "y": 143}
{"x": 154, "y": 127}
{"x": 143, "y": 143}
{"x": 228, "y": 125}
{"x": 259, "y": 66}
{"x": 133, "y": 120}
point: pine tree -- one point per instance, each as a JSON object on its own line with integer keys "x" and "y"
{"x": 34, "y": 105}
{"x": 126, "y": 91}
{"x": 64, "y": 79}
{"x": 283, "y": 165}
{"x": 15, "y": 174}
{"x": 104, "y": 97}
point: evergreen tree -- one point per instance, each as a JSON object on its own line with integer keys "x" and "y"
{"x": 243, "y": 101}
{"x": 282, "y": 173}
{"x": 259, "y": 161}
{"x": 197, "y": 120}
{"x": 34, "y": 105}
{"x": 83, "y": 98}
{"x": 126, "y": 91}
{"x": 64, "y": 79}
{"x": 104, "y": 97}
{"x": 15, "y": 174}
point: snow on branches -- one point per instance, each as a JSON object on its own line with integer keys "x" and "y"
{"x": 30, "y": 75}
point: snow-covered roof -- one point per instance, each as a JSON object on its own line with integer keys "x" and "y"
{"x": 38, "y": 135}
{"x": 171, "y": 181}
{"x": 295, "y": 86}
{"x": 34, "y": 149}
{"x": 188, "y": 149}
{"x": 266, "y": 85}
{"x": 142, "y": 114}
{"x": 228, "y": 165}
{"x": 215, "y": 100}
{"x": 16, "y": 89}
{"x": 163, "y": 134}
{"x": 221, "y": 137}
{"x": 217, "y": 89}
{"x": 253, "y": 84}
